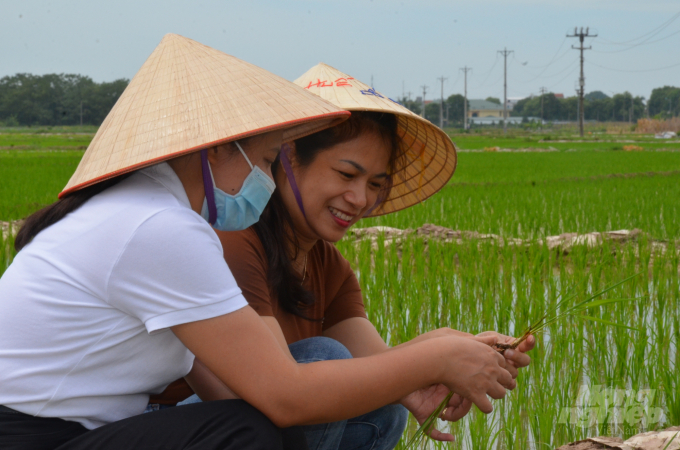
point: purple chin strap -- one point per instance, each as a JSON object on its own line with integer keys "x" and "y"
{"x": 208, "y": 187}
{"x": 285, "y": 161}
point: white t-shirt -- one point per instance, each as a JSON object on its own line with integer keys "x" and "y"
{"x": 85, "y": 308}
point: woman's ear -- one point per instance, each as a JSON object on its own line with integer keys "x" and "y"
{"x": 221, "y": 153}
{"x": 292, "y": 154}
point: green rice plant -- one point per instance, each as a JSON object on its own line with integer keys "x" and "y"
{"x": 671, "y": 440}
{"x": 32, "y": 180}
{"x": 7, "y": 251}
{"x": 561, "y": 312}
{"x": 475, "y": 286}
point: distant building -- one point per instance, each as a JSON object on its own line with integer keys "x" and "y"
{"x": 512, "y": 101}
{"x": 483, "y": 108}
{"x": 559, "y": 95}
{"x": 497, "y": 121}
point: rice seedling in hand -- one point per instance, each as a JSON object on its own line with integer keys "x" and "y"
{"x": 561, "y": 311}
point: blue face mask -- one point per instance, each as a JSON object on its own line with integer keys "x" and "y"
{"x": 235, "y": 212}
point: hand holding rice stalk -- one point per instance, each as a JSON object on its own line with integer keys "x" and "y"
{"x": 547, "y": 319}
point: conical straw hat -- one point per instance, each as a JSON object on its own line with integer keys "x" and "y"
{"x": 428, "y": 156}
{"x": 188, "y": 96}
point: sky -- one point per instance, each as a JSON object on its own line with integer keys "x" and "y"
{"x": 399, "y": 45}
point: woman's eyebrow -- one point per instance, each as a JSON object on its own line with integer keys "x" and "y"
{"x": 361, "y": 169}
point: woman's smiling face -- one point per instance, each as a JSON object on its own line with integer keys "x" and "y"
{"x": 338, "y": 187}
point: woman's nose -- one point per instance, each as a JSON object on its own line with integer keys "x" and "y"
{"x": 357, "y": 197}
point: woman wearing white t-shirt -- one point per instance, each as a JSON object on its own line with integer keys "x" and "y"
{"x": 119, "y": 284}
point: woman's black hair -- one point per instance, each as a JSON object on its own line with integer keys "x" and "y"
{"x": 53, "y": 213}
{"x": 275, "y": 228}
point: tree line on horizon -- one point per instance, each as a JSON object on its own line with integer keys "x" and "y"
{"x": 663, "y": 103}
{"x": 70, "y": 99}
{"x": 56, "y": 99}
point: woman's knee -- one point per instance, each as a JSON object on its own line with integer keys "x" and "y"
{"x": 228, "y": 424}
{"x": 318, "y": 348}
{"x": 378, "y": 430}
{"x": 397, "y": 416}
{"x": 391, "y": 425}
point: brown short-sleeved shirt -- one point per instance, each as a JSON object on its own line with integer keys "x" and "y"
{"x": 329, "y": 277}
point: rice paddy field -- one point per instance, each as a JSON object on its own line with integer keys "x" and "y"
{"x": 586, "y": 378}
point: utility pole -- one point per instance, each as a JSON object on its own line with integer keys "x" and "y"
{"x": 543, "y": 91}
{"x": 505, "y": 52}
{"x": 372, "y": 87}
{"x": 403, "y": 91}
{"x": 582, "y": 81}
{"x": 465, "y": 70}
{"x": 441, "y": 104}
{"x": 81, "y": 113}
{"x": 630, "y": 115}
{"x": 424, "y": 92}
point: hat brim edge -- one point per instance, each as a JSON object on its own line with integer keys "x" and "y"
{"x": 340, "y": 116}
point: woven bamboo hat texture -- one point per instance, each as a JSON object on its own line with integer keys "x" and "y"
{"x": 427, "y": 155}
{"x": 187, "y": 97}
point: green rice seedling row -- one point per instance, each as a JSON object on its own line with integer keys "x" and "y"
{"x": 30, "y": 180}
{"x": 562, "y": 143}
{"x": 483, "y": 168}
{"x": 533, "y": 210}
{"x": 44, "y": 141}
{"x": 415, "y": 286}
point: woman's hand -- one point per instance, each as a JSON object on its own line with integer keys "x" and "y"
{"x": 422, "y": 402}
{"x": 515, "y": 358}
{"x": 476, "y": 371}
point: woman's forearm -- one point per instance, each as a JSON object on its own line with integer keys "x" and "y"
{"x": 252, "y": 364}
{"x": 370, "y": 382}
{"x": 206, "y": 384}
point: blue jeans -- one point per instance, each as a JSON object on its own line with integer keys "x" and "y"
{"x": 378, "y": 430}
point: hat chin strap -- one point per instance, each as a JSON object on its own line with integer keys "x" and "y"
{"x": 285, "y": 161}
{"x": 208, "y": 187}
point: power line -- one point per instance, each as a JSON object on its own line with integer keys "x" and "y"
{"x": 653, "y": 32}
{"x": 556, "y": 74}
{"x": 564, "y": 78}
{"x": 639, "y": 44}
{"x": 455, "y": 80}
{"x": 488, "y": 73}
{"x": 645, "y": 42}
{"x": 633, "y": 71}
{"x": 493, "y": 82}
{"x": 552, "y": 60}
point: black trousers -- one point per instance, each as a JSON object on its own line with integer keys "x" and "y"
{"x": 223, "y": 425}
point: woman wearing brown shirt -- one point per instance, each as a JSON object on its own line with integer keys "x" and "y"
{"x": 302, "y": 287}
